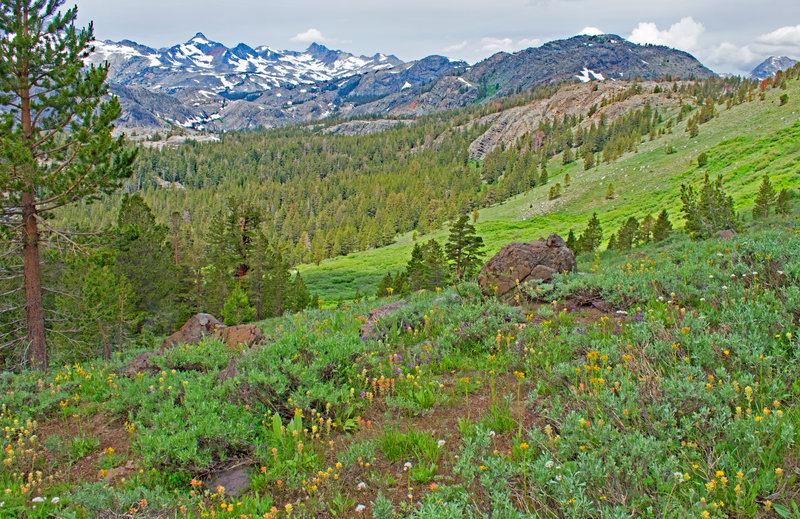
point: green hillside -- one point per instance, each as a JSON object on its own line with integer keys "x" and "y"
{"x": 743, "y": 143}
{"x": 644, "y": 390}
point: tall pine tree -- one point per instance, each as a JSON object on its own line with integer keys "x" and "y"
{"x": 592, "y": 236}
{"x": 144, "y": 258}
{"x": 663, "y": 227}
{"x": 708, "y": 210}
{"x": 55, "y": 134}
{"x": 626, "y": 234}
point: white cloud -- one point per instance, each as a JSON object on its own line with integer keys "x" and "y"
{"x": 529, "y": 42}
{"x": 493, "y": 45}
{"x": 729, "y": 55}
{"x": 310, "y": 36}
{"x": 784, "y": 37}
{"x": 591, "y": 31}
{"x": 497, "y": 44}
{"x": 457, "y": 47}
{"x": 784, "y": 41}
{"x": 681, "y": 35}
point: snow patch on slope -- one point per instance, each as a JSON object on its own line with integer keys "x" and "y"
{"x": 586, "y": 75}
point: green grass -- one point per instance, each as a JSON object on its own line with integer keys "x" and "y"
{"x": 743, "y": 144}
{"x": 682, "y": 398}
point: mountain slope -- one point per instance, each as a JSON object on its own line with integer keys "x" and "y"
{"x": 578, "y": 59}
{"x": 220, "y": 88}
{"x": 585, "y": 58}
{"x": 770, "y": 66}
{"x": 327, "y": 196}
{"x": 590, "y": 102}
{"x": 204, "y": 63}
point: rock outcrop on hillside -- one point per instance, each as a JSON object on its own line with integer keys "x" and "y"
{"x": 193, "y": 331}
{"x": 240, "y": 335}
{"x": 574, "y": 100}
{"x": 365, "y": 127}
{"x": 532, "y": 262}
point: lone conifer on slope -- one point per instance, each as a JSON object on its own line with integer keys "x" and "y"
{"x": 55, "y": 134}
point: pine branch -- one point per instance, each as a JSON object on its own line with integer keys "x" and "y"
{"x": 11, "y": 343}
{"x": 17, "y": 246}
{"x": 59, "y": 292}
{"x": 59, "y": 234}
{"x": 67, "y": 337}
{"x": 14, "y": 332}
{"x": 12, "y": 291}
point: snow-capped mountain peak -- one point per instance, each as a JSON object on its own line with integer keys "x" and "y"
{"x": 203, "y": 79}
{"x": 770, "y": 66}
{"x": 222, "y": 69}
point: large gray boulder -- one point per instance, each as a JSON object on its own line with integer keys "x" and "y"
{"x": 534, "y": 261}
{"x": 197, "y": 327}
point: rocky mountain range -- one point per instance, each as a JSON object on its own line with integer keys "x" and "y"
{"x": 770, "y": 66}
{"x": 202, "y": 84}
{"x": 580, "y": 59}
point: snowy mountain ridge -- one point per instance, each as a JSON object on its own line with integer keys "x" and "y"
{"x": 204, "y": 85}
{"x": 770, "y": 66}
{"x": 224, "y": 69}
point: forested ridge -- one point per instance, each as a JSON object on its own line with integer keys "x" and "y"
{"x": 321, "y": 196}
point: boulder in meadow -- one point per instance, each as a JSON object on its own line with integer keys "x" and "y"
{"x": 243, "y": 334}
{"x": 369, "y": 330}
{"x": 197, "y": 327}
{"x": 531, "y": 262}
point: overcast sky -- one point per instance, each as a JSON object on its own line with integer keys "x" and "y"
{"x": 726, "y": 35}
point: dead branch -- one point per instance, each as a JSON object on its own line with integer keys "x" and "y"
{"x": 60, "y": 234}
{"x": 59, "y": 292}
{"x": 12, "y": 291}
{"x": 65, "y": 336}
{"x": 12, "y": 343}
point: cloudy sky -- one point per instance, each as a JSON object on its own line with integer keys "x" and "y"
{"x": 726, "y": 35}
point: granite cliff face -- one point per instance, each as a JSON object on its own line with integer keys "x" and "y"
{"x": 574, "y": 100}
{"x": 204, "y": 85}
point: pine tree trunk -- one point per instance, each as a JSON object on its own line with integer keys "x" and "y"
{"x": 30, "y": 250}
{"x": 33, "y": 283}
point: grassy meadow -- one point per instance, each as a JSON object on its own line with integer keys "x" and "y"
{"x": 657, "y": 384}
{"x": 767, "y": 142}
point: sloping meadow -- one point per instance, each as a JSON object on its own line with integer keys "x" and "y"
{"x": 661, "y": 383}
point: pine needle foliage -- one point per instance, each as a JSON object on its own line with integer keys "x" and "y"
{"x": 56, "y": 145}
{"x": 708, "y": 209}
